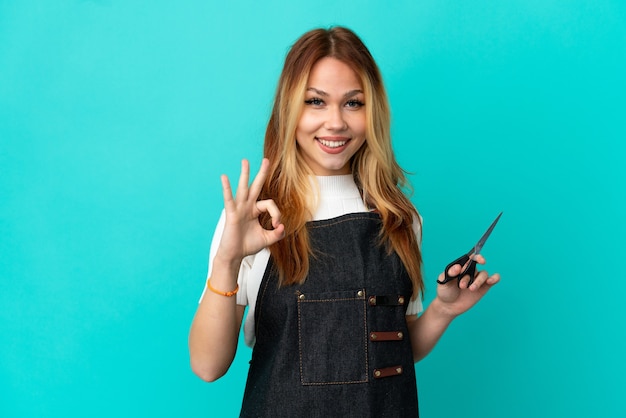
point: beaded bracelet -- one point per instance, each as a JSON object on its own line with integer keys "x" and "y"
{"x": 214, "y": 290}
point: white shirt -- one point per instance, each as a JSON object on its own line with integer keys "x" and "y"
{"x": 338, "y": 196}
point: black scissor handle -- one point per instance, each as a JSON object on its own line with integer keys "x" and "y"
{"x": 470, "y": 269}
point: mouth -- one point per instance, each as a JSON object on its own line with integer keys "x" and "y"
{"x": 332, "y": 143}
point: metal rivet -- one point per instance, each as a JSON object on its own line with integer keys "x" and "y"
{"x": 373, "y": 336}
{"x": 401, "y": 300}
{"x": 301, "y": 297}
{"x": 377, "y": 373}
{"x": 372, "y": 300}
{"x": 399, "y": 370}
{"x": 400, "y": 335}
{"x": 359, "y": 293}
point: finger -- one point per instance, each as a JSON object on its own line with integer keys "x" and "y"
{"x": 270, "y": 207}
{"x": 464, "y": 282}
{"x": 479, "y": 280}
{"x": 259, "y": 179}
{"x": 244, "y": 177}
{"x": 227, "y": 192}
{"x": 495, "y": 278}
{"x": 446, "y": 277}
{"x": 274, "y": 235}
{"x": 455, "y": 270}
{"x": 489, "y": 283}
{"x": 479, "y": 259}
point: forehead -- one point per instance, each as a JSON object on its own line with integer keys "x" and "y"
{"x": 332, "y": 73}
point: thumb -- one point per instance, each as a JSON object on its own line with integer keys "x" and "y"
{"x": 272, "y": 236}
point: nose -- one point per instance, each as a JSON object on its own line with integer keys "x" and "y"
{"x": 336, "y": 119}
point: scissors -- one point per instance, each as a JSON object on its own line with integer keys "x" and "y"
{"x": 467, "y": 260}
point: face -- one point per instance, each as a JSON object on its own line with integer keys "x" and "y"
{"x": 332, "y": 126}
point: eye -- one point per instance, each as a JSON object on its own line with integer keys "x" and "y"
{"x": 354, "y": 104}
{"x": 315, "y": 101}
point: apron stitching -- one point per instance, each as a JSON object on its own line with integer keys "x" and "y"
{"x": 300, "y": 346}
{"x": 366, "y": 380}
{"x": 367, "y": 355}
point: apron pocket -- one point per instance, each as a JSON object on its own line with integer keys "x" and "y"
{"x": 332, "y": 337}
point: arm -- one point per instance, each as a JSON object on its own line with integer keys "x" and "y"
{"x": 215, "y": 327}
{"x": 451, "y": 301}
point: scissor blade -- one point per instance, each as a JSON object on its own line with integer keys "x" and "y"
{"x": 483, "y": 239}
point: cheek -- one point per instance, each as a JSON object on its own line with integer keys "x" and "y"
{"x": 307, "y": 123}
{"x": 359, "y": 125}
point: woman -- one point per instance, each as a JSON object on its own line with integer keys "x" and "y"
{"x": 323, "y": 247}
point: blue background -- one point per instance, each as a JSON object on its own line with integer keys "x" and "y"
{"x": 117, "y": 118}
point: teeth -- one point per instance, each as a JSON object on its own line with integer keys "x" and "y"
{"x": 332, "y": 144}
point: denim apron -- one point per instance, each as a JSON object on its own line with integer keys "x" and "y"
{"x": 336, "y": 345}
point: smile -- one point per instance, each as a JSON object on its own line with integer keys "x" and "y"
{"x": 332, "y": 144}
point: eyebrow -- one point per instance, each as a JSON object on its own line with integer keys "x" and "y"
{"x": 346, "y": 95}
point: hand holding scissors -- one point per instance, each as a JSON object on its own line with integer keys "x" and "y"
{"x": 467, "y": 262}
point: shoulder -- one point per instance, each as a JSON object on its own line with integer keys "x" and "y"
{"x": 417, "y": 226}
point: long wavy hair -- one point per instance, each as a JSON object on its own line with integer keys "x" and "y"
{"x": 376, "y": 172}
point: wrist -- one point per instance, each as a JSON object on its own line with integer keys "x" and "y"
{"x": 223, "y": 275}
{"x": 229, "y": 264}
{"x": 442, "y": 310}
{"x": 229, "y": 293}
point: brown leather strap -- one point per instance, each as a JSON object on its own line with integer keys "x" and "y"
{"x": 386, "y": 300}
{"x": 387, "y": 372}
{"x": 386, "y": 336}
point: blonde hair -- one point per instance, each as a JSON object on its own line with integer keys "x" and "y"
{"x": 376, "y": 172}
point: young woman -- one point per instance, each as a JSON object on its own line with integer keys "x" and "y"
{"x": 323, "y": 247}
